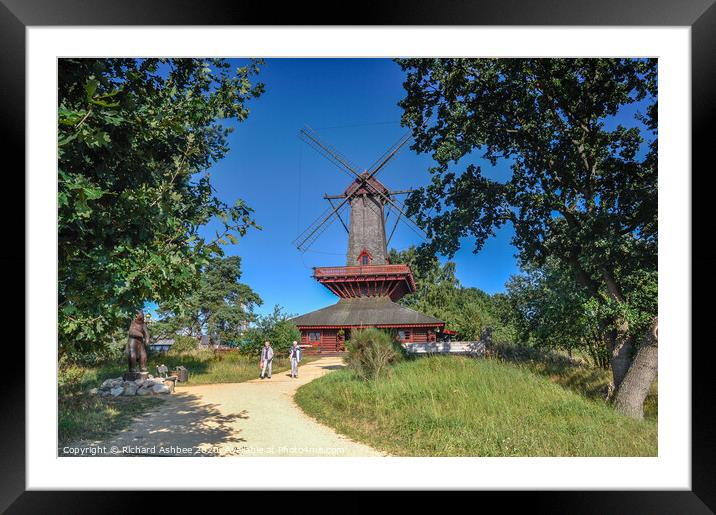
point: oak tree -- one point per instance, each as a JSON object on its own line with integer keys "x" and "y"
{"x": 136, "y": 138}
{"x": 583, "y": 185}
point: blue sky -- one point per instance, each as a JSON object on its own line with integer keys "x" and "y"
{"x": 352, "y": 105}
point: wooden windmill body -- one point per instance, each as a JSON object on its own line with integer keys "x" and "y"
{"x": 368, "y": 286}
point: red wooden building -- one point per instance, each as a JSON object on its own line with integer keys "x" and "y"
{"x": 368, "y": 286}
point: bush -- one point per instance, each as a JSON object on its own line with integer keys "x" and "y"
{"x": 371, "y": 352}
{"x": 110, "y": 349}
{"x": 276, "y": 328}
{"x": 184, "y": 344}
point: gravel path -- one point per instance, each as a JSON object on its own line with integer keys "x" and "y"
{"x": 254, "y": 418}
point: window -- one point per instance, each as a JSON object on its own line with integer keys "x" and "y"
{"x": 364, "y": 258}
{"x": 405, "y": 335}
{"x": 314, "y": 337}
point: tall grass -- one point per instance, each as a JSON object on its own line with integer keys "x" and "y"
{"x": 573, "y": 374}
{"x": 453, "y": 406}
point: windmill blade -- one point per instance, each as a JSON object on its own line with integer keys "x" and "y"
{"x": 389, "y": 154}
{"x": 309, "y": 136}
{"x": 413, "y": 224}
{"x": 313, "y": 231}
{"x": 306, "y": 245}
{"x": 338, "y": 214}
{"x": 406, "y": 218}
{"x": 394, "y": 226}
{"x": 384, "y": 154}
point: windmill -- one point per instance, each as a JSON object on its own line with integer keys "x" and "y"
{"x": 368, "y": 286}
{"x": 367, "y": 199}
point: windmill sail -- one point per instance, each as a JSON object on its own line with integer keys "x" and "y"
{"x": 367, "y": 218}
{"x": 309, "y": 136}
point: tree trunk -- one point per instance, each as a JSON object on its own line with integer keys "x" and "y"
{"x": 620, "y": 352}
{"x": 620, "y": 344}
{"x": 632, "y": 392}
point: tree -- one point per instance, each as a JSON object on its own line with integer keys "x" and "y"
{"x": 221, "y": 306}
{"x": 136, "y": 138}
{"x": 580, "y": 192}
{"x": 550, "y": 311}
{"x": 275, "y": 327}
{"x": 438, "y": 293}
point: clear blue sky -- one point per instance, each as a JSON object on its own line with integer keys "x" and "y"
{"x": 352, "y": 104}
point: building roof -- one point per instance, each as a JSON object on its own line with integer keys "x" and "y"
{"x": 163, "y": 341}
{"x": 365, "y": 311}
{"x": 374, "y": 183}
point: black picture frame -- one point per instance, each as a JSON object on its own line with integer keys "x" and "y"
{"x": 700, "y": 15}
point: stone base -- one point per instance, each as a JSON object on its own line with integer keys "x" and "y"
{"x": 133, "y": 376}
{"x": 130, "y": 387}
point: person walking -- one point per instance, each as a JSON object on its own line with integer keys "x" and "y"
{"x": 266, "y": 359}
{"x": 295, "y": 355}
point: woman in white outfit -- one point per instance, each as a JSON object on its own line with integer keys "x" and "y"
{"x": 295, "y": 355}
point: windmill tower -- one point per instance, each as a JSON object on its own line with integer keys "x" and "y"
{"x": 368, "y": 285}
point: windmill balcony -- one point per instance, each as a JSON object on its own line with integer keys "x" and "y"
{"x": 341, "y": 271}
{"x": 391, "y": 281}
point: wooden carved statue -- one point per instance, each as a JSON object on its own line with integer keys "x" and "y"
{"x": 137, "y": 341}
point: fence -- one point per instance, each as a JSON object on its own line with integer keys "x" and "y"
{"x": 470, "y": 348}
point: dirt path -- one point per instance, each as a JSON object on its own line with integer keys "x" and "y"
{"x": 254, "y": 418}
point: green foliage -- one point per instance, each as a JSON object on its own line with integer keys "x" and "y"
{"x": 573, "y": 180}
{"x": 112, "y": 349}
{"x": 438, "y": 293}
{"x": 135, "y": 140}
{"x": 452, "y": 406}
{"x": 275, "y": 327}
{"x": 183, "y": 344}
{"x": 371, "y": 352}
{"x": 551, "y": 312}
{"x": 219, "y": 307}
{"x": 583, "y": 192}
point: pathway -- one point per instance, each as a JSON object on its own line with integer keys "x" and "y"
{"x": 253, "y": 418}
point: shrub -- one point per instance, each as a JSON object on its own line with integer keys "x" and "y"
{"x": 276, "y": 328}
{"x": 183, "y": 344}
{"x": 371, "y": 352}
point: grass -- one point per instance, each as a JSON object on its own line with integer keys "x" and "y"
{"x": 455, "y": 406}
{"x": 574, "y": 374}
{"x": 82, "y": 416}
{"x": 87, "y": 417}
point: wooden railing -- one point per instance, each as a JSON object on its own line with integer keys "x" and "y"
{"x": 361, "y": 270}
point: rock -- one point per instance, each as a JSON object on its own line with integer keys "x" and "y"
{"x": 138, "y": 382}
{"x": 170, "y": 385}
{"x": 94, "y": 391}
{"x": 144, "y": 391}
{"x": 107, "y": 383}
{"x": 130, "y": 389}
{"x": 160, "y": 388}
{"x": 116, "y": 391}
